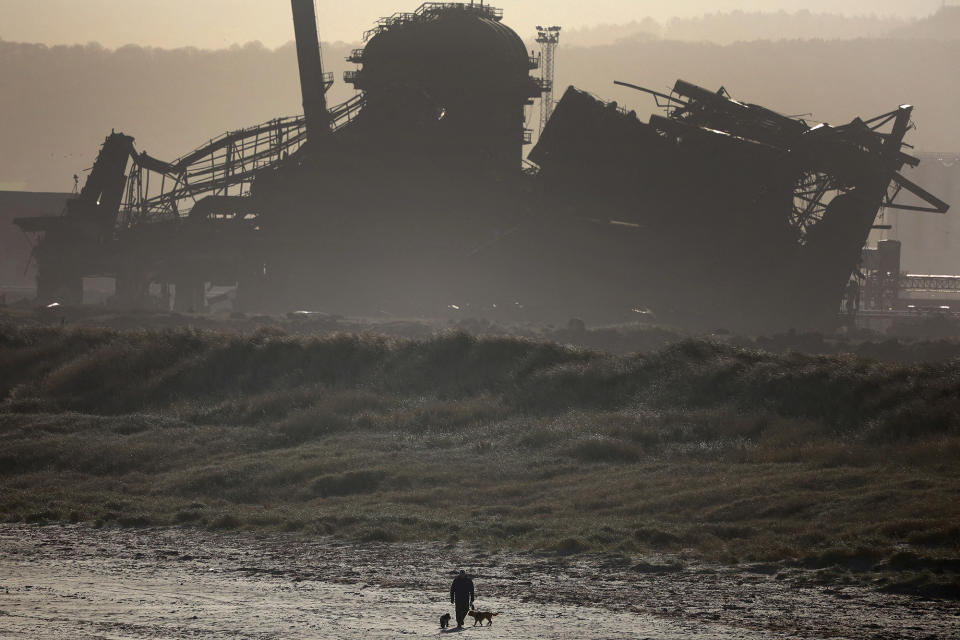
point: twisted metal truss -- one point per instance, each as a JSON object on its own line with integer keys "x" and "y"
{"x": 864, "y": 155}
{"x": 812, "y": 194}
{"x": 225, "y": 166}
{"x": 818, "y": 186}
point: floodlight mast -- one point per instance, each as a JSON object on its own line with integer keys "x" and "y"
{"x": 548, "y": 38}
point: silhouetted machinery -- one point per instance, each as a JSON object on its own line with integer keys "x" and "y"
{"x": 410, "y": 199}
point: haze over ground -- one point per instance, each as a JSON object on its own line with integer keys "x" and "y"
{"x": 213, "y": 24}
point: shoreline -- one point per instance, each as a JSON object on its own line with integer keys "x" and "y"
{"x": 82, "y": 579}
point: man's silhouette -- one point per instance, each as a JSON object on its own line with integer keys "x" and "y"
{"x": 461, "y": 595}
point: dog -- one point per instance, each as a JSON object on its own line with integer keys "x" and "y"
{"x": 445, "y": 621}
{"x": 480, "y": 616}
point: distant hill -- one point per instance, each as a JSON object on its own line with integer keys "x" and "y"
{"x": 740, "y": 26}
{"x": 58, "y": 103}
{"x": 943, "y": 25}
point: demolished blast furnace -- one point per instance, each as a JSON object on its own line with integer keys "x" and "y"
{"x": 411, "y": 197}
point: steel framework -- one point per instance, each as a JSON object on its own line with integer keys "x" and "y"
{"x": 816, "y": 189}
{"x": 916, "y": 282}
{"x": 430, "y": 10}
{"x": 225, "y": 166}
{"x": 548, "y": 38}
{"x": 830, "y": 155}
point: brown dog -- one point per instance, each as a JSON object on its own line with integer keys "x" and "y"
{"x": 480, "y": 616}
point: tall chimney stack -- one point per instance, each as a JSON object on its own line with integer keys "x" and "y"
{"x": 311, "y": 68}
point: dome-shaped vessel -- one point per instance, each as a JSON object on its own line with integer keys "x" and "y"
{"x": 451, "y": 78}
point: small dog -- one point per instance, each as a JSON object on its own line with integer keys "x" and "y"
{"x": 445, "y": 621}
{"x": 480, "y": 616}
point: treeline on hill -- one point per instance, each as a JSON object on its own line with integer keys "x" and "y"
{"x": 59, "y": 103}
{"x": 828, "y": 462}
{"x": 747, "y": 26}
{"x": 736, "y": 26}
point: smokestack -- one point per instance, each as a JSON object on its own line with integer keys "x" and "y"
{"x": 311, "y": 68}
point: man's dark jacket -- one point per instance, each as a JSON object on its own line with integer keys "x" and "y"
{"x": 461, "y": 590}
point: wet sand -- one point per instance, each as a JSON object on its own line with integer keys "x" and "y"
{"x": 74, "y": 581}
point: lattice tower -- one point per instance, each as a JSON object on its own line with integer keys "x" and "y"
{"x": 548, "y": 38}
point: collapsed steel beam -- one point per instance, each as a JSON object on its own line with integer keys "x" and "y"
{"x": 937, "y": 205}
{"x": 836, "y": 156}
{"x": 655, "y": 94}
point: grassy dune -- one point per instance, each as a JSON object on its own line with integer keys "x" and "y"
{"x": 827, "y": 462}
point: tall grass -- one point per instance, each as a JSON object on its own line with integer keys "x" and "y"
{"x": 107, "y": 372}
{"x": 736, "y": 453}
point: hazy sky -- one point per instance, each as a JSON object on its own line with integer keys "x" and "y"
{"x": 220, "y": 23}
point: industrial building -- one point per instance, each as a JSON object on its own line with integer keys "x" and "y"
{"x": 412, "y": 198}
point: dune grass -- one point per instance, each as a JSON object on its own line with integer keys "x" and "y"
{"x": 825, "y": 462}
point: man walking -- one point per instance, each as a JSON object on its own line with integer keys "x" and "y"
{"x": 461, "y": 595}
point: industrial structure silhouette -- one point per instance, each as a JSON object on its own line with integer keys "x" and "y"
{"x": 412, "y": 197}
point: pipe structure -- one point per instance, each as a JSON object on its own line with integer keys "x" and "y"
{"x": 311, "y": 68}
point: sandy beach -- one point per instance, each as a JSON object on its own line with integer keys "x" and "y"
{"x": 74, "y": 581}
